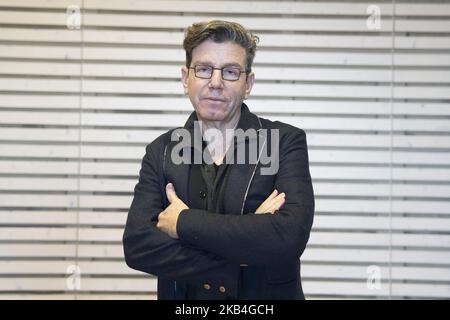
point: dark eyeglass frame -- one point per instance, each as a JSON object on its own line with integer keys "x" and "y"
{"x": 212, "y": 71}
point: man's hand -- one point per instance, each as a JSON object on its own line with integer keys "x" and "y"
{"x": 272, "y": 203}
{"x": 167, "y": 219}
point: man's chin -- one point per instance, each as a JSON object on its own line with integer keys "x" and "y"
{"x": 210, "y": 114}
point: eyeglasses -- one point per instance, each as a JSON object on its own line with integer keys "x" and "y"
{"x": 228, "y": 73}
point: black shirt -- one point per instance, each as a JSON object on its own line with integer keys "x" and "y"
{"x": 206, "y": 185}
{"x": 206, "y": 190}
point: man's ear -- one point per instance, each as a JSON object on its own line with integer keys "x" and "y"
{"x": 249, "y": 84}
{"x": 184, "y": 78}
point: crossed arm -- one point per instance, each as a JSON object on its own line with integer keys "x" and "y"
{"x": 151, "y": 241}
{"x": 167, "y": 219}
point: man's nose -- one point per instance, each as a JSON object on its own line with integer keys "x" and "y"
{"x": 216, "y": 80}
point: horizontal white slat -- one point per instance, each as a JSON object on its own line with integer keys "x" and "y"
{"x": 380, "y": 239}
{"x": 375, "y": 256}
{"x": 43, "y": 118}
{"x": 396, "y": 224}
{"x": 40, "y": 101}
{"x": 72, "y": 135}
{"x": 421, "y": 290}
{"x": 378, "y": 173}
{"x": 45, "y": 250}
{"x": 66, "y": 201}
{"x": 361, "y": 273}
{"x": 345, "y": 288}
{"x": 180, "y": 22}
{"x": 266, "y": 40}
{"x": 380, "y": 190}
{"x": 40, "y": 167}
{"x": 380, "y": 157}
{"x": 65, "y": 184}
{"x": 38, "y": 134}
{"x": 61, "y": 268}
{"x": 87, "y": 284}
{"x": 38, "y": 184}
{"x": 116, "y": 219}
{"x": 262, "y": 73}
{"x": 253, "y": 23}
{"x": 261, "y": 7}
{"x": 35, "y": 200}
{"x": 342, "y": 288}
{"x": 263, "y": 56}
{"x": 61, "y": 234}
{"x": 382, "y": 206}
{"x": 205, "y": 6}
{"x": 368, "y": 140}
{"x": 49, "y": 4}
{"x": 12, "y": 150}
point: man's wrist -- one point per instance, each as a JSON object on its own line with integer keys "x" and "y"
{"x": 178, "y": 225}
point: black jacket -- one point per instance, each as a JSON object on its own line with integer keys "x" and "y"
{"x": 212, "y": 247}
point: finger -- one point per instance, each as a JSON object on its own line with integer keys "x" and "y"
{"x": 267, "y": 203}
{"x": 268, "y": 200}
{"x": 272, "y": 195}
{"x": 170, "y": 192}
{"x": 276, "y": 204}
{"x": 280, "y": 202}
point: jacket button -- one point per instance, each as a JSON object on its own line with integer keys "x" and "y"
{"x": 222, "y": 289}
{"x": 206, "y": 286}
{"x": 202, "y": 194}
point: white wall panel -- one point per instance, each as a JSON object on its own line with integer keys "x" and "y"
{"x": 77, "y": 108}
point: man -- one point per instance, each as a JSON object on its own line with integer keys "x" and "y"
{"x": 221, "y": 229}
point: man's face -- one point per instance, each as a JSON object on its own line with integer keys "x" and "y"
{"x": 216, "y": 99}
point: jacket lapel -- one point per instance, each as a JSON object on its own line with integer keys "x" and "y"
{"x": 241, "y": 175}
{"x": 178, "y": 174}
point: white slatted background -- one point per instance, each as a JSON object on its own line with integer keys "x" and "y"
{"x": 77, "y": 108}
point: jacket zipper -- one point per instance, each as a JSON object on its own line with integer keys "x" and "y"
{"x": 254, "y": 171}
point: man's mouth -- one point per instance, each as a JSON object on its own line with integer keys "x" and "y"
{"x": 215, "y": 99}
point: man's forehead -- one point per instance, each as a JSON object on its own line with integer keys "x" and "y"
{"x": 229, "y": 53}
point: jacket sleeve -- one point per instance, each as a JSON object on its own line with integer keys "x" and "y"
{"x": 263, "y": 238}
{"x": 150, "y": 250}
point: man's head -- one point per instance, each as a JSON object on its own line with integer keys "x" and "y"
{"x": 217, "y": 76}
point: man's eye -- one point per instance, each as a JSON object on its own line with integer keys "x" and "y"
{"x": 202, "y": 69}
{"x": 231, "y": 72}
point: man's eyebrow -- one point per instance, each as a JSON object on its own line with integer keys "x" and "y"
{"x": 209, "y": 63}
